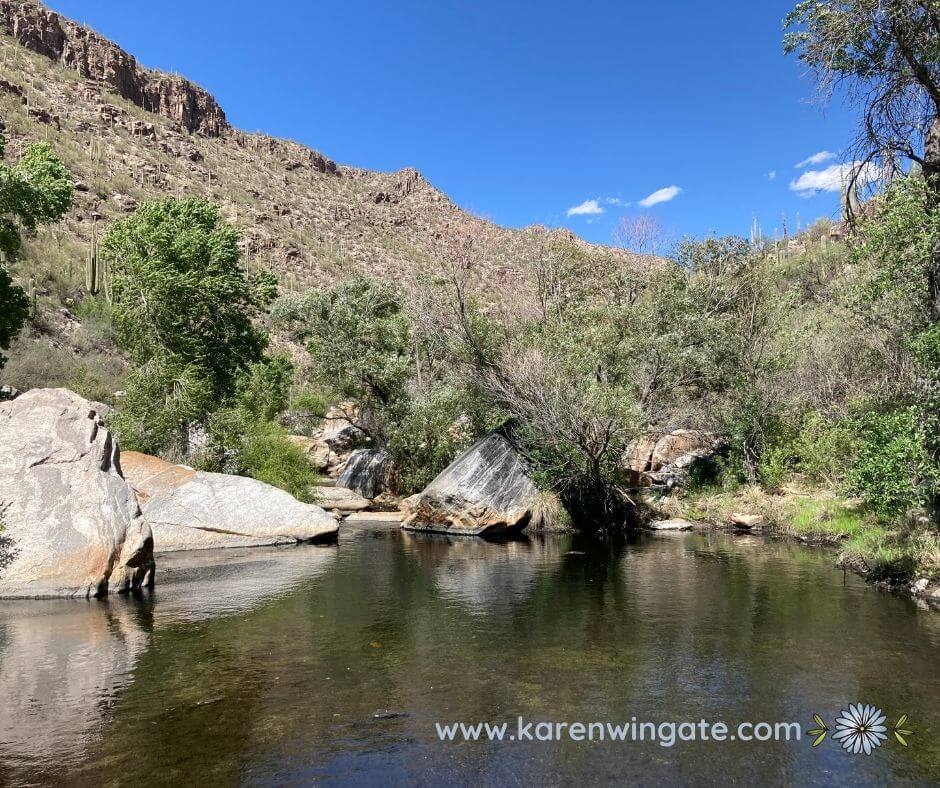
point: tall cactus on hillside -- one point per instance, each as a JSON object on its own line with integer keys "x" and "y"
{"x": 31, "y": 295}
{"x": 91, "y": 266}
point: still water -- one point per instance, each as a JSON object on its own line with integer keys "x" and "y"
{"x": 332, "y": 664}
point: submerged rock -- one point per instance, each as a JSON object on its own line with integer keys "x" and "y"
{"x": 366, "y": 472}
{"x": 487, "y": 489}
{"x": 196, "y": 510}
{"x": 71, "y": 523}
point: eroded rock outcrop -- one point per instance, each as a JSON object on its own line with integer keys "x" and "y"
{"x": 486, "y": 490}
{"x": 196, "y": 510}
{"x": 94, "y": 57}
{"x": 338, "y": 437}
{"x": 72, "y": 526}
{"x": 666, "y": 459}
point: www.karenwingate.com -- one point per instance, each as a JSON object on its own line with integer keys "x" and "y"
{"x": 665, "y": 734}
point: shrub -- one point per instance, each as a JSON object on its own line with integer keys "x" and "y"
{"x": 266, "y": 454}
{"x": 430, "y": 430}
{"x": 893, "y": 469}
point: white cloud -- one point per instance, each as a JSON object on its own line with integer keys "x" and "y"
{"x": 772, "y": 175}
{"x": 660, "y": 195}
{"x": 816, "y": 159}
{"x": 587, "y": 208}
{"x": 617, "y": 201}
{"x": 833, "y": 179}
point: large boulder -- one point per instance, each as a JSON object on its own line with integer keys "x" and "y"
{"x": 196, "y": 510}
{"x": 71, "y": 523}
{"x": 486, "y": 490}
{"x": 366, "y": 472}
{"x": 665, "y": 460}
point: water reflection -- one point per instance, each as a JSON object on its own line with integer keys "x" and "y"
{"x": 481, "y": 575}
{"x": 62, "y": 665}
{"x": 205, "y": 584}
{"x": 333, "y": 664}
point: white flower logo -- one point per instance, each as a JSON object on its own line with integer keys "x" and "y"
{"x": 860, "y": 729}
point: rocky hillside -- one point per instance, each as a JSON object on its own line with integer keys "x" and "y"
{"x": 129, "y": 134}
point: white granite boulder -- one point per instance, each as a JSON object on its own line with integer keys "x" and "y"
{"x": 196, "y": 510}
{"x": 71, "y": 526}
{"x": 486, "y": 490}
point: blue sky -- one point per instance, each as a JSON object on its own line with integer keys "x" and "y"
{"x": 521, "y": 111}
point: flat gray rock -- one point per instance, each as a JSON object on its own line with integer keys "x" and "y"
{"x": 340, "y": 499}
{"x": 71, "y": 523}
{"x": 675, "y": 524}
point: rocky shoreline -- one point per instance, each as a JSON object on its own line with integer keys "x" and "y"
{"x": 921, "y": 589}
{"x": 81, "y": 519}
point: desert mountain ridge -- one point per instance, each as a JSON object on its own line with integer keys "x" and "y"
{"x": 128, "y": 134}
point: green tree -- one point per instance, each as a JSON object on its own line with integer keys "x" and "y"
{"x": 184, "y": 310}
{"x": 365, "y": 345}
{"x": 886, "y": 53}
{"x": 359, "y": 338}
{"x": 36, "y": 190}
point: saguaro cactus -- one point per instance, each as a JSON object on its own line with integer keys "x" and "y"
{"x": 91, "y": 266}
{"x": 31, "y": 295}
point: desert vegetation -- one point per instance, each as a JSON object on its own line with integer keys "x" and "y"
{"x": 817, "y": 358}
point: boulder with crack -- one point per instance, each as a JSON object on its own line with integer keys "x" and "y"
{"x": 366, "y": 472}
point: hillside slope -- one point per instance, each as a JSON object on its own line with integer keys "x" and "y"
{"x": 129, "y": 134}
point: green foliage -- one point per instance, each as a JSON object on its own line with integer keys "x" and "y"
{"x": 266, "y": 454}
{"x": 358, "y": 337}
{"x": 163, "y": 397}
{"x": 14, "y": 311}
{"x": 312, "y": 402}
{"x": 892, "y": 258}
{"x": 263, "y": 391}
{"x": 709, "y": 337}
{"x": 184, "y": 310}
{"x": 431, "y": 430}
{"x": 36, "y": 190}
{"x": 825, "y": 448}
{"x": 361, "y": 341}
{"x": 178, "y": 290}
{"x": 893, "y": 468}
{"x": 244, "y": 439}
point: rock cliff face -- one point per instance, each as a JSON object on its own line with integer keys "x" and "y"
{"x": 129, "y": 135}
{"x": 96, "y": 58}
